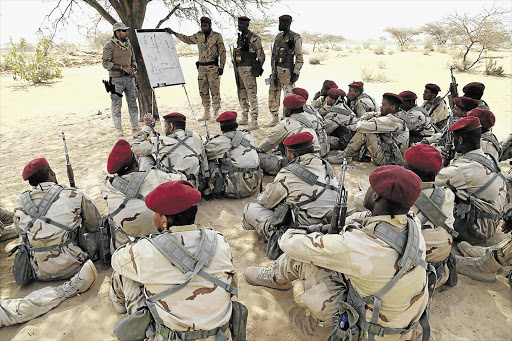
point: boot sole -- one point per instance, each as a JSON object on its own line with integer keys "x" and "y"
{"x": 266, "y": 286}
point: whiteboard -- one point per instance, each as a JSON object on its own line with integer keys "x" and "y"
{"x": 160, "y": 57}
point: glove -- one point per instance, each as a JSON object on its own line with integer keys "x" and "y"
{"x": 220, "y": 71}
{"x": 317, "y": 95}
{"x": 294, "y": 77}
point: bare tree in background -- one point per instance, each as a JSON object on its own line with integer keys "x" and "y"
{"x": 402, "y": 35}
{"x": 132, "y": 14}
{"x": 439, "y": 30}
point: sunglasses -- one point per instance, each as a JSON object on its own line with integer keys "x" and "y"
{"x": 123, "y": 30}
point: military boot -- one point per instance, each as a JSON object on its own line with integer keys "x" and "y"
{"x": 336, "y": 157}
{"x": 9, "y": 232}
{"x": 253, "y": 125}
{"x": 265, "y": 277}
{"x": 119, "y": 132}
{"x": 469, "y": 250}
{"x": 479, "y": 268}
{"x": 274, "y": 122}
{"x": 215, "y": 115}
{"x": 80, "y": 282}
{"x": 244, "y": 120}
{"x": 206, "y": 116}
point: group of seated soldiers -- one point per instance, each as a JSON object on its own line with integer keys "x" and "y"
{"x": 372, "y": 278}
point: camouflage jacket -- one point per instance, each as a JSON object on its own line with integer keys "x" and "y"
{"x": 281, "y": 40}
{"x": 368, "y": 263}
{"x": 420, "y": 122}
{"x": 339, "y": 115}
{"x": 440, "y": 113}
{"x": 362, "y": 104}
{"x": 71, "y": 208}
{"x": 489, "y": 147}
{"x": 209, "y": 48}
{"x": 198, "y": 305}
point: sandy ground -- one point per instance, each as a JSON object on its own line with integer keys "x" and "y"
{"x": 32, "y": 118}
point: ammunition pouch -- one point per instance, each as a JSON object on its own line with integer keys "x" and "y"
{"x": 282, "y": 215}
{"x": 238, "y": 55}
{"x": 134, "y": 326}
{"x": 110, "y": 87}
{"x": 281, "y": 55}
{"x": 216, "y": 178}
{"x": 22, "y": 270}
{"x": 257, "y": 69}
{"x": 465, "y": 216}
{"x": 238, "y": 321}
{"x": 351, "y": 330}
{"x": 285, "y": 216}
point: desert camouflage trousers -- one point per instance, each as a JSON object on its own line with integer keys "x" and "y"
{"x": 127, "y": 86}
{"x": 271, "y": 163}
{"x": 380, "y": 156}
{"x": 208, "y": 80}
{"x": 504, "y": 253}
{"x": 274, "y": 93}
{"x": 248, "y": 91}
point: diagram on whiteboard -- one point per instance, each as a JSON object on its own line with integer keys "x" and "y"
{"x": 160, "y": 57}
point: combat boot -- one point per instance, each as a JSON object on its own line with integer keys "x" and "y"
{"x": 80, "y": 282}
{"x": 9, "y": 232}
{"x": 336, "y": 157}
{"x": 244, "y": 120}
{"x": 119, "y": 132}
{"x": 265, "y": 277}
{"x": 206, "y": 116}
{"x": 253, "y": 125}
{"x": 274, "y": 122}
{"x": 469, "y": 250}
{"x": 215, "y": 114}
{"x": 479, "y": 268}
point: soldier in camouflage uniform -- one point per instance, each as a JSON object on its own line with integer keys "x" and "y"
{"x": 383, "y": 135}
{"x": 489, "y": 142}
{"x": 294, "y": 122}
{"x": 475, "y": 90}
{"x": 338, "y": 116}
{"x": 435, "y": 106}
{"x": 119, "y": 59}
{"x": 52, "y": 238}
{"x": 420, "y": 126}
{"x": 249, "y": 58}
{"x": 233, "y": 160}
{"x": 318, "y": 101}
{"x": 287, "y": 61}
{"x": 180, "y": 150}
{"x": 132, "y": 218}
{"x": 212, "y": 58}
{"x": 357, "y": 260}
{"x": 477, "y": 182}
{"x": 142, "y": 272}
{"x": 360, "y": 102}
{"x": 313, "y": 200}
{"x": 7, "y": 228}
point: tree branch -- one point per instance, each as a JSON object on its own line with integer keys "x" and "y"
{"x": 94, "y": 4}
{"x": 168, "y": 15}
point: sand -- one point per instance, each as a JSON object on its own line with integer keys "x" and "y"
{"x": 33, "y": 117}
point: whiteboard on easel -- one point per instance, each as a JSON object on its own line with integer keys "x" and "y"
{"x": 160, "y": 57}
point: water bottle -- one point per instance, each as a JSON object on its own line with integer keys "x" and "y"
{"x": 344, "y": 322}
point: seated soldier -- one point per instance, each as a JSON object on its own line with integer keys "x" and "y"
{"x": 294, "y": 122}
{"x": 475, "y": 90}
{"x": 358, "y": 101}
{"x": 434, "y": 209}
{"x": 51, "y": 219}
{"x": 124, "y": 191}
{"x": 477, "y": 182}
{"x": 304, "y": 188}
{"x": 383, "y": 135}
{"x": 489, "y": 142}
{"x": 233, "y": 160}
{"x": 184, "y": 276}
{"x": 420, "y": 126}
{"x": 319, "y": 98}
{"x": 180, "y": 150}
{"x": 342, "y": 274}
{"x": 316, "y": 119}
{"x": 338, "y": 117}
{"x": 435, "y": 106}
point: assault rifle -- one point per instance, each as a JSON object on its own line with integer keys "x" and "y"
{"x": 71, "y": 175}
{"x": 273, "y": 76}
{"x": 453, "y": 88}
{"x": 235, "y": 68}
{"x": 340, "y": 209}
{"x": 157, "y": 135}
{"x": 110, "y": 87}
{"x": 448, "y": 146}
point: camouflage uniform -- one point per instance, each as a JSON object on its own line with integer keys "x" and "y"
{"x": 366, "y": 262}
{"x": 140, "y": 269}
{"x": 362, "y": 104}
{"x": 288, "y": 187}
{"x": 251, "y": 52}
{"x": 271, "y": 163}
{"x": 212, "y": 56}
{"x": 241, "y": 157}
{"x": 465, "y": 177}
{"x": 193, "y": 164}
{"x": 370, "y": 132}
{"x": 71, "y": 208}
{"x": 135, "y": 218}
{"x": 284, "y": 70}
{"x": 420, "y": 126}
{"x": 113, "y": 54}
{"x": 437, "y": 111}
{"x": 336, "y": 121}
{"x": 319, "y": 126}
{"x": 490, "y": 145}
{"x": 7, "y": 228}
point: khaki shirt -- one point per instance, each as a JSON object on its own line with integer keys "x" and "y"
{"x": 488, "y": 147}
{"x": 420, "y": 123}
{"x": 440, "y": 113}
{"x": 290, "y": 188}
{"x": 369, "y": 264}
{"x": 200, "y": 304}
{"x": 362, "y": 104}
{"x": 209, "y": 48}
{"x": 71, "y": 208}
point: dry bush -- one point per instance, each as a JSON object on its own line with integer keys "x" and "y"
{"x": 379, "y": 50}
{"x": 390, "y": 52}
{"x": 371, "y": 76}
{"x": 185, "y": 50}
{"x": 317, "y": 58}
{"x": 381, "y": 64}
{"x": 442, "y": 49}
{"x": 492, "y": 69}
{"x": 337, "y": 48}
{"x": 426, "y": 52}
{"x": 366, "y": 45}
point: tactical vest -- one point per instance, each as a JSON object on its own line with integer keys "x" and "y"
{"x": 430, "y": 207}
{"x": 319, "y": 128}
{"x": 362, "y": 95}
{"x": 437, "y": 101}
{"x": 492, "y": 139}
{"x": 283, "y": 52}
{"x": 242, "y": 55}
{"x": 120, "y": 57}
{"x": 388, "y": 143}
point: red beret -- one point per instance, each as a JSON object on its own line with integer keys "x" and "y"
{"x": 486, "y": 117}
{"x": 206, "y": 20}
{"x": 396, "y": 184}
{"x": 356, "y": 84}
{"x": 175, "y": 116}
{"x": 465, "y": 103}
{"x": 301, "y": 92}
{"x": 424, "y": 157}
{"x": 294, "y": 102}
{"x": 244, "y": 18}
{"x": 120, "y": 157}
{"x": 330, "y": 84}
{"x": 408, "y": 96}
{"x": 298, "y": 141}
{"x": 33, "y": 167}
{"x": 226, "y": 117}
{"x": 334, "y": 93}
{"x": 474, "y": 90}
{"x": 433, "y": 87}
{"x": 465, "y": 124}
{"x": 286, "y": 17}
{"x": 394, "y": 98}
{"x": 172, "y": 197}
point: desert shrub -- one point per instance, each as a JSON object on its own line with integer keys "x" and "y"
{"x": 390, "y": 52}
{"x": 337, "y": 48}
{"x": 357, "y": 48}
{"x": 371, "y": 76}
{"x": 317, "y": 58}
{"x": 492, "y": 69}
{"x": 366, "y": 45}
{"x": 442, "y": 49}
{"x": 37, "y": 68}
{"x": 379, "y": 50}
{"x": 429, "y": 44}
{"x": 381, "y": 64}
{"x": 185, "y": 50}
{"x": 426, "y": 52}
{"x": 97, "y": 39}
